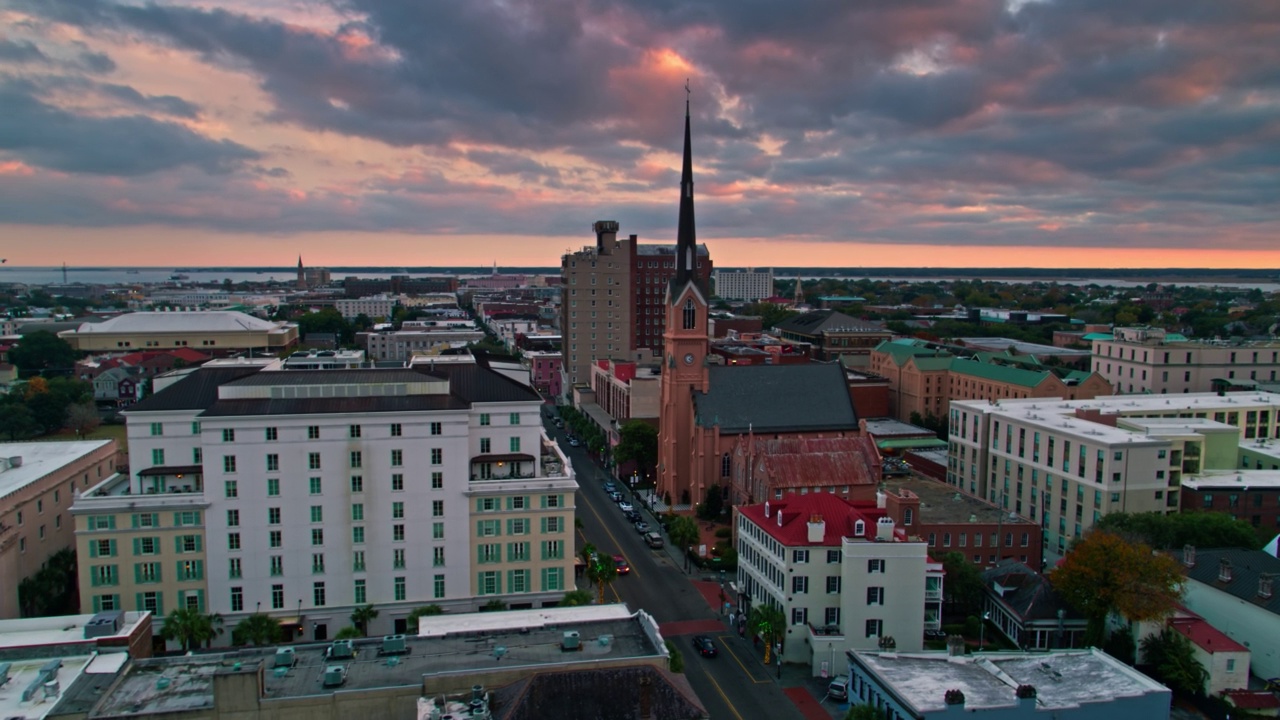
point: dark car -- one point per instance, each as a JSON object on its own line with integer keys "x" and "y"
{"x": 631, "y": 516}
{"x": 704, "y": 646}
{"x": 621, "y": 563}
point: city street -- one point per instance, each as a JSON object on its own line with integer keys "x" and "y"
{"x": 733, "y": 685}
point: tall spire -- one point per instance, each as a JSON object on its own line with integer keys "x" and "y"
{"x": 686, "y": 239}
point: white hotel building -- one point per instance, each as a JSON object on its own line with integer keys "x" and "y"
{"x": 1064, "y": 464}
{"x": 750, "y": 285}
{"x": 842, "y": 575}
{"x": 323, "y": 490}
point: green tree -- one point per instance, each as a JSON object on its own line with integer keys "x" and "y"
{"x": 576, "y": 598}
{"x": 769, "y": 623}
{"x": 257, "y": 629}
{"x": 638, "y": 443}
{"x": 710, "y": 508}
{"x": 494, "y": 605}
{"x": 675, "y": 658}
{"x": 411, "y": 622}
{"x": 1170, "y": 653}
{"x": 1104, "y": 573}
{"x": 349, "y": 632}
{"x": 864, "y": 712}
{"x": 191, "y": 628}
{"x": 683, "y": 531}
{"x": 770, "y": 315}
{"x": 328, "y": 320}
{"x": 962, "y": 585}
{"x": 1173, "y": 531}
{"x": 362, "y": 616}
{"x": 17, "y": 422}
{"x": 51, "y": 590}
{"x": 43, "y": 352}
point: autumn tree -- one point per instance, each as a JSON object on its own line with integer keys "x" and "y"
{"x": 1106, "y": 573}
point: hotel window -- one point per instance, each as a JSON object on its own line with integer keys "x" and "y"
{"x": 396, "y": 430}
{"x": 228, "y": 435}
{"x": 313, "y": 461}
{"x": 313, "y": 432}
{"x": 277, "y": 597}
{"x": 157, "y": 428}
{"x": 157, "y": 456}
{"x": 437, "y": 428}
{"x": 399, "y": 587}
{"x": 273, "y": 463}
{"x": 484, "y": 419}
{"x": 397, "y": 458}
{"x": 437, "y": 456}
{"x": 357, "y": 459}
{"x": 353, "y": 431}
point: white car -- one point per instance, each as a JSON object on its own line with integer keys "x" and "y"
{"x": 625, "y": 506}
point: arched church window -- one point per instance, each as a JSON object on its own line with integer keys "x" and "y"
{"x": 690, "y": 318}
{"x": 724, "y": 465}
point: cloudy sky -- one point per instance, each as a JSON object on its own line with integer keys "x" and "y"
{"x": 1083, "y": 133}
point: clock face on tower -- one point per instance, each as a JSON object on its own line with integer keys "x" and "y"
{"x": 688, "y": 359}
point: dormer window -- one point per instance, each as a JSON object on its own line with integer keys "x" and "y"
{"x": 859, "y": 529}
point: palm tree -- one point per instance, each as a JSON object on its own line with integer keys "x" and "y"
{"x": 576, "y": 598}
{"x": 683, "y": 531}
{"x": 361, "y": 618}
{"x": 411, "y": 622}
{"x": 600, "y": 569}
{"x": 349, "y": 633}
{"x": 257, "y": 629}
{"x": 769, "y": 623}
{"x": 191, "y": 628}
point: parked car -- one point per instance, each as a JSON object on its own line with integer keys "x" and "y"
{"x": 642, "y": 527}
{"x": 610, "y": 487}
{"x": 615, "y": 496}
{"x": 626, "y": 506}
{"x": 632, "y": 516}
{"x": 621, "y": 564}
{"x": 839, "y": 688}
{"x": 575, "y": 442}
{"x": 704, "y": 646}
{"x": 653, "y": 539}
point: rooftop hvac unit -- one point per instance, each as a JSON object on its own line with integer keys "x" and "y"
{"x": 4, "y": 673}
{"x": 334, "y": 676}
{"x": 394, "y": 645}
{"x": 571, "y": 641}
{"x": 285, "y": 657}
{"x": 341, "y": 650}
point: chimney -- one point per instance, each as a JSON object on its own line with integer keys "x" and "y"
{"x": 766, "y": 508}
{"x": 1224, "y": 570}
{"x": 884, "y": 530}
{"x": 881, "y": 499}
{"x": 954, "y": 700}
{"x": 1026, "y": 695}
{"x": 955, "y": 646}
{"x": 1189, "y": 555}
{"x": 1264, "y": 585}
{"x": 779, "y": 516}
{"x": 817, "y": 528}
{"x": 646, "y": 698}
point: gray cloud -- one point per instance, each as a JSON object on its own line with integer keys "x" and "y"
{"x": 45, "y": 136}
{"x": 21, "y": 51}
{"x": 160, "y": 104}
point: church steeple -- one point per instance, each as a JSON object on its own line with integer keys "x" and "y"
{"x": 686, "y": 236}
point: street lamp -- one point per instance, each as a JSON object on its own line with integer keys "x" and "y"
{"x": 777, "y": 653}
{"x": 982, "y": 633}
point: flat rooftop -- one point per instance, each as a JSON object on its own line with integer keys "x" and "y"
{"x": 889, "y": 427}
{"x": 1266, "y": 448}
{"x": 24, "y": 674}
{"x": 1055, "y": 413}
{"x": 64, "y": 630}
{"x": 1241, "y": 480}
{"x": 1022, "y": 348}
{"x": 460, "y": 645}
{"x": 40, "y": 459}
{"x": 943, "y": 503}
{"x": 1062, "y": 679}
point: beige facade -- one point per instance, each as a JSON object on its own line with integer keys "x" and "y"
{"x": 145, "y": 550}
{"x": 38, "y": 484}
{"x": 626, "y": 391}
{"x": 209, "y": 331}
{"x": 1149, "y": 360}
{"x": 595, "y": 314}
{"x": 523, "y": 540}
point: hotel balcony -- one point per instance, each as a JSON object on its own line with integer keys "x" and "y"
{"x": 550, "y": 464}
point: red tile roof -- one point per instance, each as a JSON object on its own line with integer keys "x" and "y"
{"x": 1206, "y": 636}
{"x": 1253, "y": 699}
{"x": 838, "y": 515}
{"x": 819, "y": 462}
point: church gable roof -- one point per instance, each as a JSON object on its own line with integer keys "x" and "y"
{"x": 776, "y": 398}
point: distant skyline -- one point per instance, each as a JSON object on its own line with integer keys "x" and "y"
{"x": 938, "y": 133}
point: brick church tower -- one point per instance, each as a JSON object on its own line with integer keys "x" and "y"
{"x": 685, "y": 349}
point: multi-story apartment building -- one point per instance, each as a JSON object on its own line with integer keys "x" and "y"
{"x": 1066, "y": 463}
{"x": 626, "y": 390}
{"x": 750, "y": 285}
{"x": 835, "y": 336}
{"x": 1151, "y": 360}
{"x": 924, "y": 378}
{"x": 308, "y": 493}
{"x": 38, "y": 482}
{"x": 843, "y": 576}
{"x": 401, "y": 345}
{"x": 372, "y": 307}
{"x": 612, "y": 302}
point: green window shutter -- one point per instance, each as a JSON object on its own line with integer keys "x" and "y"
{"x": 199, "y": 567}
{"x": 115, "y": 602}
{"x": 160, "y": 604}
{"x": 544, "y": 524}
{"x": 182, "y": 598}
{"x": 177, "y": 544}
{"x": 135, "y": 520}
{"x": 137, "y": 546}
{"x": 111, "y": 522}
{"x": 199, "y": 538}
{"x": 543, "y": 578}
{"x": 93, "y": 548}
{"x": 112, "y": 545}
{"x": 97, "y": 604}
{"x": 137, "y": 599}
{"x": 196, "y": 514}
{"x": 93, "y": 579}
{"x": 177, "y": 519}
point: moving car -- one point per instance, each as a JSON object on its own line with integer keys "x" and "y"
{"x": 621, "y": 564}
{"x": 704, "y": 646}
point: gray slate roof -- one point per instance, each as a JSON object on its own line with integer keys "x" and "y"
{"x": 1246, "y": 566}
{"x": 320, "y": 406}
{"x": 1030, "y": 594}
{"x": 331, "y": 377}
{"x": 776, "y": 398}
{"x": 198, "y": 390}
{"x": 820, "y": 321}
